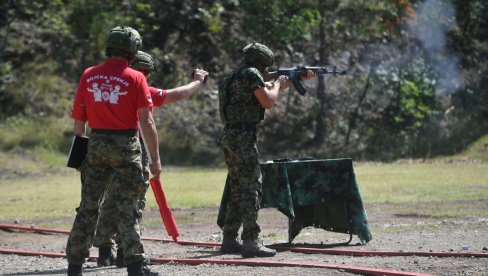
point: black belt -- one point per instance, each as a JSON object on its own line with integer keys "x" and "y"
{"x": 125, "y": 132}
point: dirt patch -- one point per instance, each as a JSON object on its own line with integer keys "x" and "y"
{"x": 392, "y": 231}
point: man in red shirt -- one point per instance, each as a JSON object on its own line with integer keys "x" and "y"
{"x": 107, "y": 226}
{"x": 113, "y": 99}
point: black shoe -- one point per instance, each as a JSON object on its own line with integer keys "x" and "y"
{"x": 139, "y": 269}
{"x": 230, "y": 246}
{"x": 105, "y": 256}
{"x": 74, "y": 270}
{"x": 119, "y": 260}
{"x": 253, "y": 248}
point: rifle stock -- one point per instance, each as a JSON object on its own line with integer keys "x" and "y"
{"x": 295, "y": 74}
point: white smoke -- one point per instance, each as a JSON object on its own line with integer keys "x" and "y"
{"x": 434, "y": 19}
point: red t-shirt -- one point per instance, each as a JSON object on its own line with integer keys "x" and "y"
{"x": 109, "y": 96}
{"x": 157, "y": 95}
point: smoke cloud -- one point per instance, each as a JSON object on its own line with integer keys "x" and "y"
{"x": 434, "y": 19}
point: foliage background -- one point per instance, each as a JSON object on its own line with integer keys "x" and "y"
{"x": 415, "y": 88}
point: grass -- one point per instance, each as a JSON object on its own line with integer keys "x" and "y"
{"x": 448, "y": 189}
{"x": 422, "y": 182}
{"x": 188, "y": 187}
{"x": 22, "y": 133}
{"x": 34, "y": 184}
{"x": 476, "y": 151}
{"x": 58, "y": 195}
{"x": 46, "y": 197}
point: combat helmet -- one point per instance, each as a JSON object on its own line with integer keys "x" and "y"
{"x": 122, "y": 38}
{"x": 258, "y": 54}
{"x": 143, "y": 62}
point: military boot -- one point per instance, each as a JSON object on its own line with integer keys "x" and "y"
{"x": 230, "y": 245}
{"x": 253, "y": 248}
{"x": 139, "y": 269}
{"x": 119, "y": 260}
{"x": 74, "y": 270}
{"x": 105, "y": 256}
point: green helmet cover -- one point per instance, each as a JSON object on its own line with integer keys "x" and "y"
{"x": 143, "y": 62}
{"x": 256, "y": 53}
{"x": 124, "y": 38}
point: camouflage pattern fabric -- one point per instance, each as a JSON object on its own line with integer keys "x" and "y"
{"x": 320, "y": 193}
{"x": 241, "y": 90}
{"x": 124, "y": 38}
{"x": 244, "y": 180}
{"x": 115, "y": 159}
{"x": 258, "y": 53}
{"x": 239, "y": 144}
{"x": 143, "y": 62}
{"x": 106, "y": 233}
{"x": 237, "y": 102}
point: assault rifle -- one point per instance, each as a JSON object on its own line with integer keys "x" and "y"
{"x": 295, "y": 73}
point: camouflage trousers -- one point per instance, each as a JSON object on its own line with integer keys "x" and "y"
{"x": 114, "y": 159}
{"x": 239, "y": 144}
{"x": 106, "y": 234}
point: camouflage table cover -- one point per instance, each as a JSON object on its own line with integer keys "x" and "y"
{"x": 319, "y": 193}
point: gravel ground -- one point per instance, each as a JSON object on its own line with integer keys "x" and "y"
{"x": 391, "y": 232}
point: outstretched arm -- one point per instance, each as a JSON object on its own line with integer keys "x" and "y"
{"x": 185, "y": 91}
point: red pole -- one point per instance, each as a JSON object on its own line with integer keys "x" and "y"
{"x": 166, "y": 214}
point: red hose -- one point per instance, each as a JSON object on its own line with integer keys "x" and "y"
{"x": 247, "y": 262}
{"x": 32, "y": 228}
{"x": 379, "y": 253}
{"x": 282, "y": 248}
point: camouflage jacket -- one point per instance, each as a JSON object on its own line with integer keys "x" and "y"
{"x": 236, "y": 96}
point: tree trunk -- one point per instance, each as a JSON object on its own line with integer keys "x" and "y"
{"x": 355, "y": 114}
{"x": 320, "y": 119}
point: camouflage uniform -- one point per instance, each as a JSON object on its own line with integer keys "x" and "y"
{"x": 107, "y": 226}
{"x": 114, "y": 150}
{"x": 115, "y": 157}
{"x": 239, "y": 145}
{"x": 106, "y": 231}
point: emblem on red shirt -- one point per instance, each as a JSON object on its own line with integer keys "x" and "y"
{"x": 106, "y": 92}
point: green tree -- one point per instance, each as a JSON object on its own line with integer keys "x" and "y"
{"x": 28, "y": 34}
{"x": 402, "y": 86}
{"x": 341, "y": 37}
{"x": 468, "y": 115}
